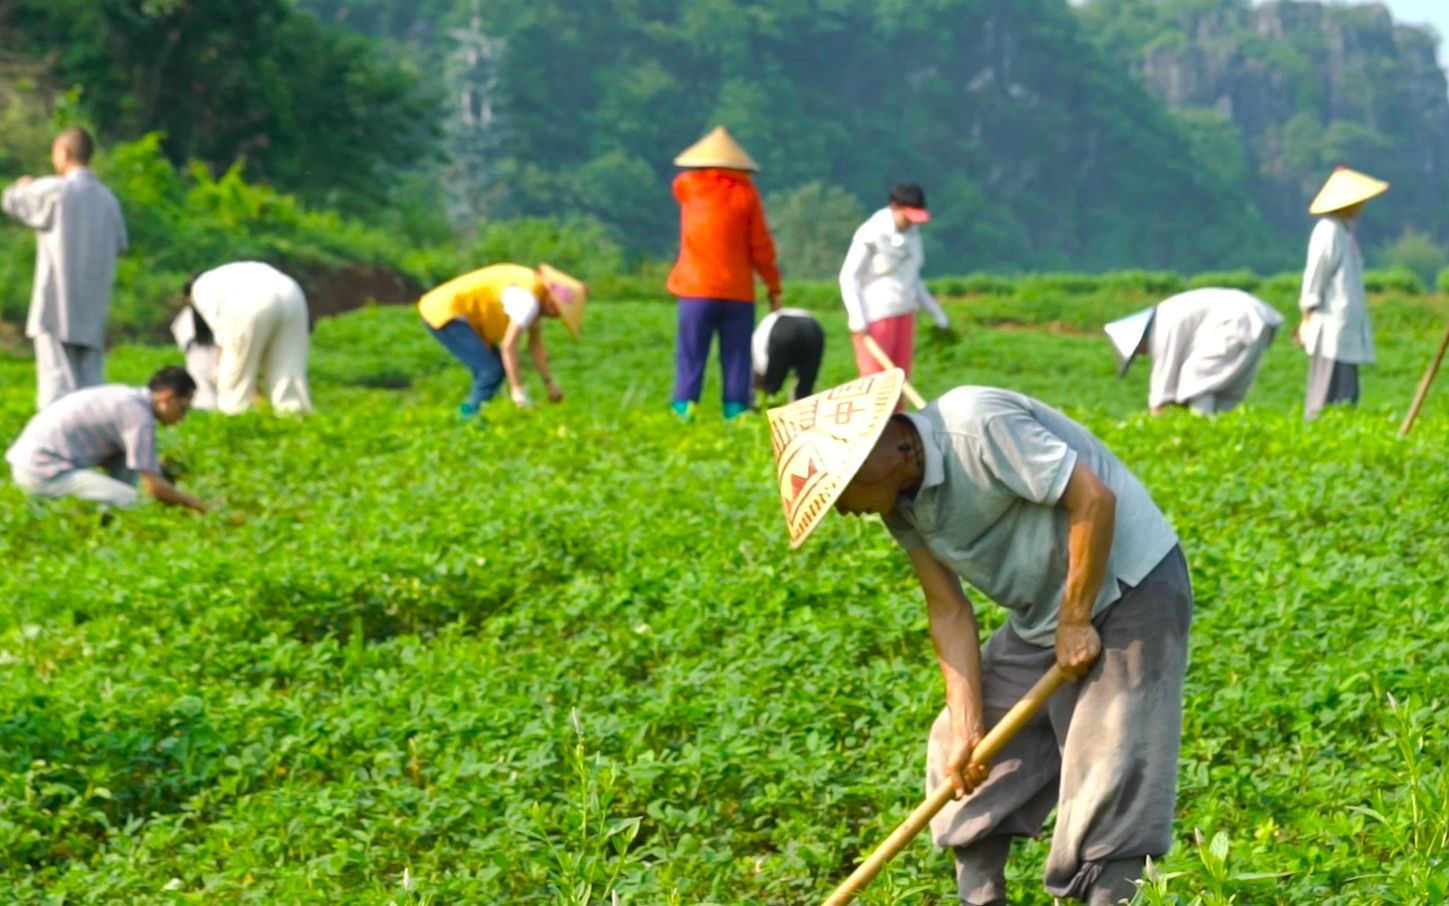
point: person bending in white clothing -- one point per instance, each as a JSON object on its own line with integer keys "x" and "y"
{"x": 258, "y": 316}
{"x": 1205, "y": 344}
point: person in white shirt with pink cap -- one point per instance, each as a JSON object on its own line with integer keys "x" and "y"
{"x": 881, "y": 284}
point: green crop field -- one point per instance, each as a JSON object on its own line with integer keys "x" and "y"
{"x": 568, "y": 657}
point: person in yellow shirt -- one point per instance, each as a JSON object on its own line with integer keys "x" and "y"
{"x": 481, "y": 318}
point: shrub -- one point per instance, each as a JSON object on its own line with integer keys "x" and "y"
{"x": 1416, "y": 252}
{"x": 582, "y": 246}
{"x": 813, "y": 224}
{"x": 1393, "y": 280}
{"x": 982, "y": 284}
{"x": 1247, "y": 281}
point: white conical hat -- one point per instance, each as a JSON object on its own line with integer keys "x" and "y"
{"x": 1127, "y": 335}
{"x": 823, "y": 440}
{"x": 569, "y": 294}
{"x": 1346, "y": 188}
{"x": 718, "y": 149}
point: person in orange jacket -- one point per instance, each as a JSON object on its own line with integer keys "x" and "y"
{"x": 724, "y": 240}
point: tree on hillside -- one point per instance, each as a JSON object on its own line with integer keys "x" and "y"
{"x": 812, "y": 226}
{"x": 312, "y": 108}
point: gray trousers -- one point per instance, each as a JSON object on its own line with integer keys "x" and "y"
{"x": 1103, "y": 752}
{"x": 116, "y": 487}
{"x": 1329, "y": 381}
{"x": 63, "y": 367}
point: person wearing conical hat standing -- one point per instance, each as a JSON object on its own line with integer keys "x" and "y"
{"x": 1008, "y": 494}
{"x": 481, "y": 318}
{"x": 1205, "y": 344}
{"x": 724, "y": 241}
{"x": 1335, "y": 330}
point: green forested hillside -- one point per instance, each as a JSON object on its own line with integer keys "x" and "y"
{"x": 1044, "y": 134}
{"x": 1037, "y": 152}
{"x": 314, "y": 109}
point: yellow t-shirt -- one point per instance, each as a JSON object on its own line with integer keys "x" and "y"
{"x": 477, "y": 297}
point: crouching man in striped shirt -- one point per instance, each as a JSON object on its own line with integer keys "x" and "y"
{"x": 112, "y": 426}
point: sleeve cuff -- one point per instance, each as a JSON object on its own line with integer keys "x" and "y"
{"x": 1064, "y": 477}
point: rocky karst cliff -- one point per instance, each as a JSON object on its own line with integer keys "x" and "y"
{"x": 1304, "y": 86}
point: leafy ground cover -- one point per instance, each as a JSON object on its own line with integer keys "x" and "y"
{"x": 569, "y": 655}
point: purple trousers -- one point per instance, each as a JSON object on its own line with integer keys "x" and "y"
{"x": 699, "y": 321}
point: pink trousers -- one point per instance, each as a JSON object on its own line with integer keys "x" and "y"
{"x": 897, "y": 338}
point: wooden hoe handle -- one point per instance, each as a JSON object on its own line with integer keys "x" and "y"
{"x": 1000, "y": 734}
{"x": 885, "y": 362}
{"x": 1425, "y": 383}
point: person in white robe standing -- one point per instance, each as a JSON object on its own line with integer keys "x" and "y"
{"x": 1205, "y": 345}
{"x": 258, "y": 316}
{"x": 79, "y": 234}
{"x": 1335, "y": 329}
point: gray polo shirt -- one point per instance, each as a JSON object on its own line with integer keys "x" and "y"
{"x": 110, "y": 424}
{"x": 996, "y": 463}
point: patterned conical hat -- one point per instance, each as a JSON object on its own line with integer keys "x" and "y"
{"x": 569, "y": 294}
{"x": 718, "y": 149}
{"x": 1344, "y": 189}
{"x": 823, "y": 440}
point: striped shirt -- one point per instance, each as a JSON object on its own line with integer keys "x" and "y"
{"x": 91, "y": 427}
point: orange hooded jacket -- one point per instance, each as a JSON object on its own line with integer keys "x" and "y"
{"x": 723, "y": 237}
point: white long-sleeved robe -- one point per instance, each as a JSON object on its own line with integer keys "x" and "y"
{"x": 258, "y": 316}
{"x": 881, "y": 276}
{"x": 1333, "y": 292}
{"x": 80, "y": 233}
{"x": 1208, "y": 342}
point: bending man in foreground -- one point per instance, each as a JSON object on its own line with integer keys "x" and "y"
{"x": 1206, "y": 346}
{"x": 112, "y": 426}
{"x": 1027, "y": 505}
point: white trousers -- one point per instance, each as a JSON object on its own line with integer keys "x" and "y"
{"x": 117, "y": 489}
{"x": 61, "y": 368}
{"x": 201, "y": 364}
{"x": 267, "y": 341}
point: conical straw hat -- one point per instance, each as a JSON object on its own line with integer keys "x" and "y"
{"x": 1346, "y": 188}
{"x": 823, "y": 440}
{"x": 569, "y": 294}
{"x": 1127, "y": 334}
{"x": 718, "y": 149}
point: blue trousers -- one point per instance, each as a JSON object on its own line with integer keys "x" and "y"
{"x": 484, "y": 361}
{"x": 699, "y": 321}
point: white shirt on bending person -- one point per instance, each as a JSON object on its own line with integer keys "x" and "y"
{"x": 258, "y": 316}
{"x": 1207, "y": 343}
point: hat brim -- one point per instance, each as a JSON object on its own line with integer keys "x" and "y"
{"x": 808, "y": 482}
{"x": 916, "y": 215}
{"x": 1344, "y": 189}
{"x": 1127, "y": 336}
{"x": 560, "y": 284}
